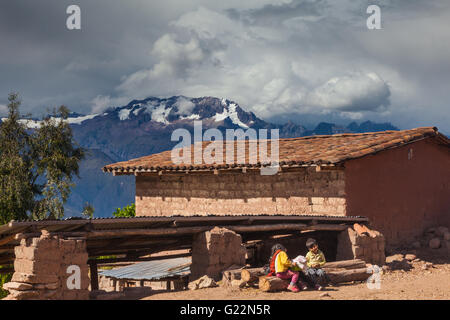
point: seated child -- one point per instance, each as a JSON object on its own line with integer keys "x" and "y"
{"x": 315, "y": 260}
{"x": 300, "y": 266}
{"x": 280, "y": 265}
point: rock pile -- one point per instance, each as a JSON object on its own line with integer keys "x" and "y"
{"x": 201, "y": 283}
{"x": 434, "y": 238}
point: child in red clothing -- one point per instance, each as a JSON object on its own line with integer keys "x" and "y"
{"x": 280, "y": 265}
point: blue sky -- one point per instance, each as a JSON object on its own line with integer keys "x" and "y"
{"x": 284, "y": 60}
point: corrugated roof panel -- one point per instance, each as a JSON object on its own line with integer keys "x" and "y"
{"x": 151, "y": 270}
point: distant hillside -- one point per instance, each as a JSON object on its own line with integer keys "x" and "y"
{"x": 105, "y": 192}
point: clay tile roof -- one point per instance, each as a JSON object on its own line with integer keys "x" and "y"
{"x": 304, "y": 151}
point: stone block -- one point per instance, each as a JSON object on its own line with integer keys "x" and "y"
{"x": 372, "y": 244}
{"x": 363, "y": 240}
{"x": 83, "y": 294}
{"x": 79, "y": 259}
{"x": 367, "y": 253}
{"x": 23, "y": 295}
{"x": 34, "y": 278}
{"x": 50, "y": 295}
{"x": 36, "y": 254}
{"x": 80, "y": 246}
{"x": 19, "y": 286}
{"x": 69, "y": 295}
{"x": 50, "y": 286}
{"x": 358, "y": 251}
{"x": 44, "y": 243}
{"x": 36, "y": 267}
{"x": 67, "y": 246}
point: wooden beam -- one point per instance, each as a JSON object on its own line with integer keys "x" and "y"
{"x": 138, "y": 251}
{"x": 191, "y": 230}
{"x": 267, "y": 227}
{"x": 81, "y": 234}
{"x": 327, "y": 227}
{"x": 146, "y": 232}
{"x": 140, "y": 259}
{"x": 94, "y": 274}
{"x": 19, "y": 226}
{"x": 7, "y": 239}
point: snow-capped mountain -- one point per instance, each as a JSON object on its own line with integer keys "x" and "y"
{"x": 180, "y": 109}
{"x": 145, "y": 126}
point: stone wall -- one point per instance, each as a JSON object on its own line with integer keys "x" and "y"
{"x": 301, "y": 192}
{"x": 215, "y": 251}
{"x": 40, "y": 269}
{"x": 367, "y": 247}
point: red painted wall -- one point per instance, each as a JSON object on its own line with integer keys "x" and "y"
{"x": 402, "y": 190}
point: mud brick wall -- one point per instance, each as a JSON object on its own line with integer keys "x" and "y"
{"x": 289, "y": 193}
{"x": 40, "y": 269}
{"x": 371, "y": 249}
{"x": 403, "y": 191}
{"x": 215, "y": 251}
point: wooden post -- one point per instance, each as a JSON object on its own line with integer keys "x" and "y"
{"x": 113, "y": 284}
{"x": 94, "y": 275}
{"x": 120, "y": 285}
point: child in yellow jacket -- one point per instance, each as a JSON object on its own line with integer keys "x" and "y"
{"x": 281, "y": 266}
{"x": 315, "y": 260}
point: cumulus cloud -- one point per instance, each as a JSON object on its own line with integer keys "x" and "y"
{"x": 101, "y": 103}
{"x": 352, "y": 93}
{"x": 275, "y": 58}
{"x": 204, "y": 55}
{"x": 178, "y": 62}
{"x": 184, "y": 106}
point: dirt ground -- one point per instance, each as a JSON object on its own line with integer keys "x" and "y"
{"x": 427, "y": 277}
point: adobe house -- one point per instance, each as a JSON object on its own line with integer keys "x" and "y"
{"x": 400, "y": 180}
